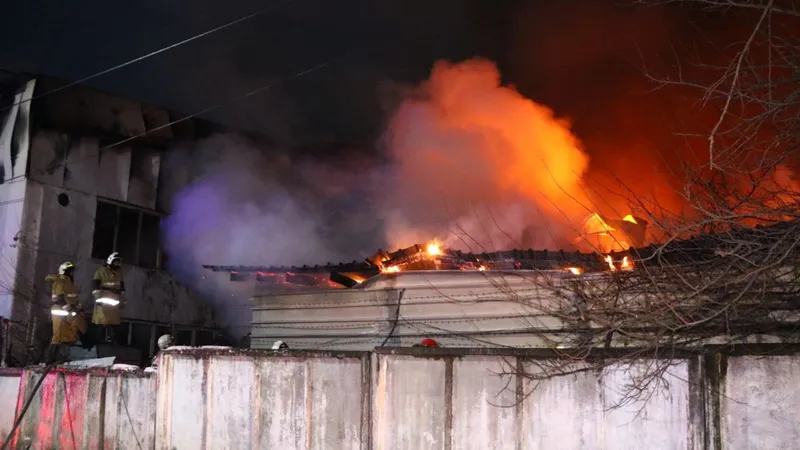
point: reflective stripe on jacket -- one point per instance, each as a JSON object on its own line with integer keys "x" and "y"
{"x": 68, "y": 323}
{"x": 107, "y": 301}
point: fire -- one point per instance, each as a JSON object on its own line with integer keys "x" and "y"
{"x": 611, "y": 235}
{"x": 390, "y": 269}
{"x": 434, "y": 249}
{"x": 499, "y": 148}
{"x": 625, "y": 264}
{"x": 482, "y": 268}
{"x": 575, "y": 270}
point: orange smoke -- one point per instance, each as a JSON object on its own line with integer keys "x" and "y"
{"x": 476, "y": 164}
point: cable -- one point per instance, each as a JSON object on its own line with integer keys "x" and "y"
{"x": 182, "y": 119}
{"x": 148, "y": 55}
{"x": 396, "y": 318}
{"x": 130, "y": 420}
{"x": 69, "y": 412}
{"x": 25, "y": 407}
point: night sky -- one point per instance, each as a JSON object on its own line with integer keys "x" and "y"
{"x": 579, "y": 57}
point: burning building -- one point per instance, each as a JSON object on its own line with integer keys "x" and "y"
{"x": 519, "y": 298}
{"x": 461, "y": 299}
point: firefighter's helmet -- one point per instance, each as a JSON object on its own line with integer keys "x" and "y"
{"x": 63, "y": 268}
{"x": 165, "y": 341}
{"x": 113, "y": 257}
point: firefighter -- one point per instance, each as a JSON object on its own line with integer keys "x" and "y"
{"x": 107, "y": 290}
{"x": 65, "y": 312}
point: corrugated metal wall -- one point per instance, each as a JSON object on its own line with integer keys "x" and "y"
{"x": 406, "y": 399}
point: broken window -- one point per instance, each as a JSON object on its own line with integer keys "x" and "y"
{"x": 132, "y": 232}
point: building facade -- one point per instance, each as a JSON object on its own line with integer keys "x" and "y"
{"x": 81, "y": 177}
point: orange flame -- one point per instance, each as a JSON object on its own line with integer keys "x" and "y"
{"x": 390, "y": 269}
{"x": 625, "y": 264}
{"x": 575, "y": 270}
{"x": 434, "y": 249}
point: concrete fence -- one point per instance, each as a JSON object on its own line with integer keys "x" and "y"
{"x": 80, "y": 409}
{"x": 407, "y": 398}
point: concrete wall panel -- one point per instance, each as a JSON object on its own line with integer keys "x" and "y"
{"x": 336, "y": 397}
{"x": 281, "y": 406}
{"x": 658, "y": 419}
{"x": 12, "y": 195}
{"x": 409, "y": 405}
{"x": 75, "y": 409}
{"x": 230, "y": 404}
{"x": 114, "y": 174}
{"x": 215, "y": 399}
{"x": 759, "y": 403}
{"x": 561, "y": 412}
{"x": 144, "y": 169}
{"x": 130, "y": 413}
{"x": 48, "y": 157}
{"x": 81, "y": 173}
{"x": 489, "y": 399}
{"x": 9, "y": 390}
{"x": 181, "y": 381}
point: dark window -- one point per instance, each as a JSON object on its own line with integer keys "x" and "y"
{"x": 140, "y": 339}
{"x": 163, "y": 259}
{"x": 184, "y": 337}
{"x": 105, "y": 226}
{"x": 121, "y": 333}
{"x": 131, "y": 232}
{"x": 204, "y": 338}
{"x": 127, "y": 235}
{"x": 148, "y": 240}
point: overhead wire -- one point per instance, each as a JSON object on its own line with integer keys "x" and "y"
{"x": 149, "y": 55}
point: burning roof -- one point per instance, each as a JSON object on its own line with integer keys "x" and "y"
{"x": 427, "y": 257}
{"x": 608, "y": 236}
{"x": 432, "y": 256}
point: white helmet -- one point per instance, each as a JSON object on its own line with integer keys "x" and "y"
{"x": 62, "y": 269}
{"x": 280, "y": 345}
{"x": 165, "y": 341}
{"x": 112, "y": 257}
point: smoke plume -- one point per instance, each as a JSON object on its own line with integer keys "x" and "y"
{"x": 475, "y": 164}
{"x": 250, "y": 204}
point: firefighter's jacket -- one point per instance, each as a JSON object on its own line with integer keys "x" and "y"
{"x": 107, "y": 293}
{"x": 68, "y": 320}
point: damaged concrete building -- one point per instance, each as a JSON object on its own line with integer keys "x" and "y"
{"x": 81, "y": 176}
